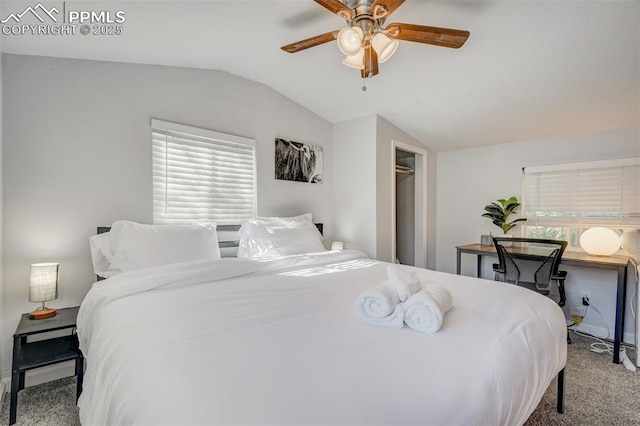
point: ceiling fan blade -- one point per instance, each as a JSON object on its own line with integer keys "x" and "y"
{"x": 445, "y": 37}
{"x": 384, "y": 8}
{"x": 310, "y": 42}
{"x": 370, "y": 62}
{"x": 336, "y": 7}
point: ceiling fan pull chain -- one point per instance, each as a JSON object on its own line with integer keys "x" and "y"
{"x": 364, "y": 85}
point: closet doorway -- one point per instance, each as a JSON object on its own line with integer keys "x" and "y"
{"x": 409, "y": 210}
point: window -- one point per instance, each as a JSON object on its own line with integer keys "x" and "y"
{"x": 561, "y": 201}
{"x": 201, "y": 175}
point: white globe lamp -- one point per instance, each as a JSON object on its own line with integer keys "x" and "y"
{"x": 600, "y": 241}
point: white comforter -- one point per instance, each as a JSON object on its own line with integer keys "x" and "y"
{"x": 246, "y": 342}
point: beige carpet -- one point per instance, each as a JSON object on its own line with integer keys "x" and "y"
{"x": 597, "y": 392}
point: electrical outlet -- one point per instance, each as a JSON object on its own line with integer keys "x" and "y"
{"x": 584, "y": 294}
{"x": 577, "y": 310}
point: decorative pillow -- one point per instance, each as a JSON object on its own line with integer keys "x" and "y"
{"x": 133, "y": 246}
{"x": 263, "y": 237}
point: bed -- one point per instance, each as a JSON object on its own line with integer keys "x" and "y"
{"x": 278, "y": 341}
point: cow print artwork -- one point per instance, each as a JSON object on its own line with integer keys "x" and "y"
{"x": 298, "y": 161}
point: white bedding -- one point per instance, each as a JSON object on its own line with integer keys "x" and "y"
{"x": 281, "y": 343}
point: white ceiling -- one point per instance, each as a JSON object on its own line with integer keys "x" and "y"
{"x": 530, "y": 69}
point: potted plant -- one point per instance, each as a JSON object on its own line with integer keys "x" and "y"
{"x": 500, "y": 211}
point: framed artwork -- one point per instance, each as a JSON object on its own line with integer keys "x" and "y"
{"x": 298, "y": 161}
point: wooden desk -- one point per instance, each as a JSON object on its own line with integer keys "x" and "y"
{"x": 616, "y": 263}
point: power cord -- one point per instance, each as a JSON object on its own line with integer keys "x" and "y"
{"x": 600, "y": 346}
{"x": 633, "y": 296}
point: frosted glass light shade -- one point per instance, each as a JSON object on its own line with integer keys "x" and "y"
{"x": 355, "y": 61}
{"x": 43, "y": 282}
{"x": 631, "y": 242}
{"x": 350, "y": 40}
{"x": 600, "y": 241}
{"x": 384, "y": 46}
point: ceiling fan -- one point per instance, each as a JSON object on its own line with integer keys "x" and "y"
{"x": 366, "y": 42}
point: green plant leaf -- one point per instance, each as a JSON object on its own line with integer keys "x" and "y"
{"x": 521, "y": 219}
{"x": 511, "y": 207}
{"x": 494, "y": 210}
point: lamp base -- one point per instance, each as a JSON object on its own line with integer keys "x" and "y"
{"x": 39, "y": 314}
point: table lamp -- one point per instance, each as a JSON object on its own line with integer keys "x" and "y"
{"x": 600, "y": 241}
{"x": 337, "y": 245}
{"x": 43, "y": 287}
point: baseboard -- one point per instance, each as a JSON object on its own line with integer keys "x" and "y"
{"x": 601, "y": 332}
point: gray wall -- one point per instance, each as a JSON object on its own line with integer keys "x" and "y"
{"x": 386, "y": 133}
{"x": 2, "y": 342}
{"x": 470, "y": 179}
{"x": 77, "y": 154}
{"x": 354, "y": 198}
{"x": 362, "y": 198}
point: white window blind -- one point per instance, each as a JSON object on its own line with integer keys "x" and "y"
{"x": 602, "y": 193}
{"x": 201, "y": 175}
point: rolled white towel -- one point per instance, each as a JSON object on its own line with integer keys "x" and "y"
{"x": 393, "y": 320}
{"x": 424, "y": 311}
{"x": 378, "y": 302}
{"x": 405, "y": 281}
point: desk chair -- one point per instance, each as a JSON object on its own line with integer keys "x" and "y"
{"x": 547, "y": 252}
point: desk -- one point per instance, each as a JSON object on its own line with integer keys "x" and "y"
{"x": 616, "y": 263}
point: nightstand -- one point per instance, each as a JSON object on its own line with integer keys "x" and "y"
{"x": 30, "y": 355}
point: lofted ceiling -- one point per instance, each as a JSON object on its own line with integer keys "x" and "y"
{"x": 530, "y": 69}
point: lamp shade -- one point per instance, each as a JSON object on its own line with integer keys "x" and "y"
{"x": 43, "y": 282}
{"x": 384, "y": 46}
{"x": 355, "y": 61}
{"x": 631, "y": 242}
{"x": 600, "y": 241}
{"x": 337, "y": 245}
{"x": 350, "y": 40}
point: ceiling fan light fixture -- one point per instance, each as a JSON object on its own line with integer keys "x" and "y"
{"x": 355, "y": 61}
{"x": 384, "y": 46}
{"x": 350, "y": 40}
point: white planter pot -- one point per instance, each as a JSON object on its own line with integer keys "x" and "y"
{"x": 507, "y": 243}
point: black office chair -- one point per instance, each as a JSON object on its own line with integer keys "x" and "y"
{"x": 547, "y": 252}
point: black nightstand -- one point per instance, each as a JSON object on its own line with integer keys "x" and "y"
{"x": 30, "y": 355}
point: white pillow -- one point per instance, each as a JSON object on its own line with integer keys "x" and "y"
{"x": 101, "y": 254}
{"x": 135, "y": 246}
{"x": 263, "y": 237}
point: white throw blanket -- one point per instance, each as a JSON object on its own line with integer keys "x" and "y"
{"x": 424, "y": 311}
{"x": 405, "y": 281}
